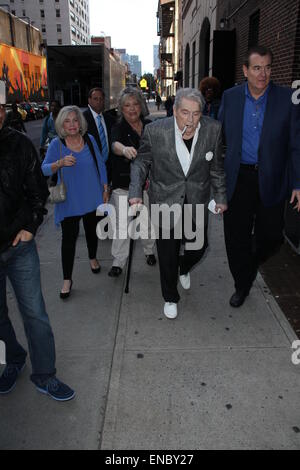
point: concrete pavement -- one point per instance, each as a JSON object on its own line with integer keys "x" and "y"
{"x": 214, "y": 378}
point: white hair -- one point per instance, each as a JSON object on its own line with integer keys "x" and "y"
{"x": 62, "y": 116}
{"x": 190, "y": 94}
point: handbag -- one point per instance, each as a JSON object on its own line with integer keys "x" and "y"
{"x": 58, "y": 193}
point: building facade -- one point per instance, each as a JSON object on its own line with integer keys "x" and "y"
{"x": 169, "y": 28}
{"x": 133, "y": 62}
{"x": 218, "y": 33}
{"x": 156, "y": 61}
{"x": 275, "y": 24}
{"x": 199, "y": 22}
{"x": 22, "y": 61}
{"x": 61, "y": 22}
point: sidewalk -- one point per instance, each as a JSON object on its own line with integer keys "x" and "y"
{"x": 214, "y": 378}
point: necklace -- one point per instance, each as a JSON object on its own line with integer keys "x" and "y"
{"x": 73, "y": 145}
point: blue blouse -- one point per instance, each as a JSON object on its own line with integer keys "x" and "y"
{"x": 84, "y": 188}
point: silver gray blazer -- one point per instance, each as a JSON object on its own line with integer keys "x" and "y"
{"x": 157, "y": 158}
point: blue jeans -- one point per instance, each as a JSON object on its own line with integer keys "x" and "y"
{"x": 22, "y": 267}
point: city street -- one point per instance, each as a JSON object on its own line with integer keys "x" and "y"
{"x": 279, "y": 273}
{"x": 34, "y": 128}
{"x": 223, "y": 374}
{"x": 214, "y": 378}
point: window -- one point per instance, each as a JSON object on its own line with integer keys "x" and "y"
{"x": 193, "y": 64}
{"x": 187, "y": 66}
{"x": 72, "y": 16}
{"x": 24, "y": 12}
{"x": 59, "y": 42}
{"x": 58, "y": 28}
{"x": 37, "y": 73}
{"x": 26, "y": 71}
{"x": 73, "y": 30}
{"x": 42, "y": 13}
{"x": 57, "y": 13}
{"x": 44, "y": 28}
{"x": 254, "y": 29}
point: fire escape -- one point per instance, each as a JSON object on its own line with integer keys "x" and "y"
{"x": 166, "y": 21}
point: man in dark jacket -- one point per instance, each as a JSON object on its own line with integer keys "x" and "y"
{"x": 23, "y": 193}
{"x": 100, "y": 124}
{"x": 261, "y": 127}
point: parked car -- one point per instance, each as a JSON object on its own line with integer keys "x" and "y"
{"x": 39, "y": 114}
{"x": 31, "y": 116}
{"x": 44, "y": 107}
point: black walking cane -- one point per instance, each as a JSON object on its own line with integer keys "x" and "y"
{"x": 131, "y": 246}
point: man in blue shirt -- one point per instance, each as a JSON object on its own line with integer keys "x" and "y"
{"x": 261, "y": 126}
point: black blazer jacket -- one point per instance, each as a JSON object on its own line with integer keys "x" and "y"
{"x": 110, "y": 119}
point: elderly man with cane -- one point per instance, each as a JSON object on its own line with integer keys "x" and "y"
{"x": 183, "y": 156}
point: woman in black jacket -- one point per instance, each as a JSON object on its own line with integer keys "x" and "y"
{"x": 126, "y": 137}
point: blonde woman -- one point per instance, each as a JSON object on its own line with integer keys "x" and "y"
{"x": 77, "y": 156}
{"x": 126, "y": 135}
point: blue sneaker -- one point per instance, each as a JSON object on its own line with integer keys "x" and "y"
{"x": 56, "y": 390}
{"x": 9, "y": 378}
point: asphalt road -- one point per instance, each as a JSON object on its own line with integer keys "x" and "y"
{"x": 34, "y": 130}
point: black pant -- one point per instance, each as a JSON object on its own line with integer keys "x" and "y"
{"x": 253, "y": 232}
{"x": 170, "y": 261}
{"x": 70, "y": 232}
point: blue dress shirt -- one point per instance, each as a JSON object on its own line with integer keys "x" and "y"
{"x": 254, "y": 114}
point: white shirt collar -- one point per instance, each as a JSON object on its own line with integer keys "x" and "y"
{"x": 95, "y": 115}
{"x": 185, "y": 157}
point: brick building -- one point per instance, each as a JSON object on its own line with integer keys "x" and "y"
{"x": 275, "y": 24}
{"x": 199, "y": 24}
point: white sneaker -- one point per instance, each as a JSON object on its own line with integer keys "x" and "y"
{"x": 185, "y": 281}
{"x": 170, "y": 310}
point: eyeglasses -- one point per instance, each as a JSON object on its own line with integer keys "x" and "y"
{"x": 259, "y": 68}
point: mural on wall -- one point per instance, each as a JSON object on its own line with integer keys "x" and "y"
{"x": 25, "y": 75}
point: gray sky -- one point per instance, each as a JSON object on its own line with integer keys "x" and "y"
{"x": 131, "y": 25}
